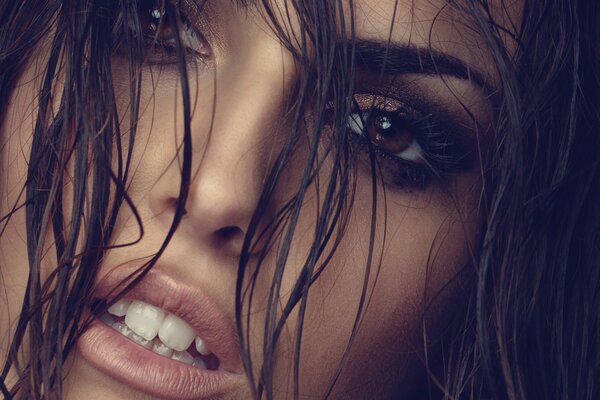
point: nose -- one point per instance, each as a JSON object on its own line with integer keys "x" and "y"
{"x": 234, "y": 138}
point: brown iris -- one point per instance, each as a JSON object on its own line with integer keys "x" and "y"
{"x": 389, "y": 134}
{"x": 154, "y": 20}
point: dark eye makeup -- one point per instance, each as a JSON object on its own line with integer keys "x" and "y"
{"x": 413, "y": 146}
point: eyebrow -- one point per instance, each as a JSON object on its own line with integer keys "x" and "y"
{"x": 396, "y": 58}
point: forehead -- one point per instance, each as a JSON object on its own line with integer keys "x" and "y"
{"x": 442, "y": 25}
{"x": 446, "y": 26}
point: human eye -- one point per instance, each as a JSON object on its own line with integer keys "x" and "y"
{"x": 412, "y": 147}
{"x": 158, "y": 29}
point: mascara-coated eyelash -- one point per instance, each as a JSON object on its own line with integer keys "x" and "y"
{"x": 412, "y": 148}
{"x": 157, "y": 21}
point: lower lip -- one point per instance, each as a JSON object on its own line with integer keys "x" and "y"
{"x": 127, "y": 362}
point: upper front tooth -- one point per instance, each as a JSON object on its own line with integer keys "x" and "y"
{"x": 176, "y": 333}
{"x": 119, "y": 309}
{"x": 144, "y": 319}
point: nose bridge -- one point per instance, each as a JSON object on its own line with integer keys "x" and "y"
{"x": 251, "y": 88}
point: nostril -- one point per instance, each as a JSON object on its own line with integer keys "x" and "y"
{"x": 228, "y": 232}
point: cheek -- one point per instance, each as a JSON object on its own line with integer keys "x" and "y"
{"x": 13, "y": 247}
{"x": 420, "y": 247}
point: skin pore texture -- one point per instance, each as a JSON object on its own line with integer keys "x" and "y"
{"x": 425, "y": 237}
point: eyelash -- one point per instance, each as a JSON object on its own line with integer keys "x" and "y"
{"x": 435, "y": 152}
{"x": 155, "y": 21}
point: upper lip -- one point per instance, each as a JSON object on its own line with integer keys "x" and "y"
{"x": 184, "y": 300}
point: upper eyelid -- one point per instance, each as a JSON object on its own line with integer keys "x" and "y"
{"x": 201, "y": 18}
{"x": 424, "y": 103}
{"x": 433, "y": 116}
{"x": 455, "y": 99}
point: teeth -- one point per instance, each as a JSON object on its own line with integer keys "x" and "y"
{"x": 144, "y": 319}
{"x": 122, "y": 328}
{"x": 176, "y": 333}
{"x": 201, "y": 346}
{"x": 107, "y": 319}
{"x": 141, "y": 341}
{"x": 199, "y": 363}
{"x": 119, "y": 309}
{"x": 183, "y": 356}
{"x": 159, "y": 348}
{"x": 143, "y": 322}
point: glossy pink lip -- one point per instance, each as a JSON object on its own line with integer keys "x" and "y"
{"x": 125, "y": 361}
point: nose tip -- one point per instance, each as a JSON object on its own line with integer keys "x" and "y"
{"x": 223, "y": 196}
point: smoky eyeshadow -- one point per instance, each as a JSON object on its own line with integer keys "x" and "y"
{"x": 464, "y": 130}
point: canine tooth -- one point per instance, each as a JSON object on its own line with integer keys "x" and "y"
{"x": 140, "y": 340}
{"x": 201, "y": 346}
{"x": 159, "y": 348}
{"x": 119, "y": 309}
{"x": 176, "y": 333}
{"x": 144, "y": 319}
{"x": 183, "y": 356}
{"x": 199, "y": 363}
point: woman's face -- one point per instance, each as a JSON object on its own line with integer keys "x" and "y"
{"x": 424, "y": 237}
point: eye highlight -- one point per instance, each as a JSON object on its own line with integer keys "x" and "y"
{"x": 157, "y": 21}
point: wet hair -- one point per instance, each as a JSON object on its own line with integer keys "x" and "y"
{"x": 532, "y": 319}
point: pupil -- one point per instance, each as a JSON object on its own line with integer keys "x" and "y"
{"x": 383, "y": 123}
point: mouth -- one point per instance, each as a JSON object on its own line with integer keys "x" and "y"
{"x": 166, "y": 338}
{"x": 161, "y": 332}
